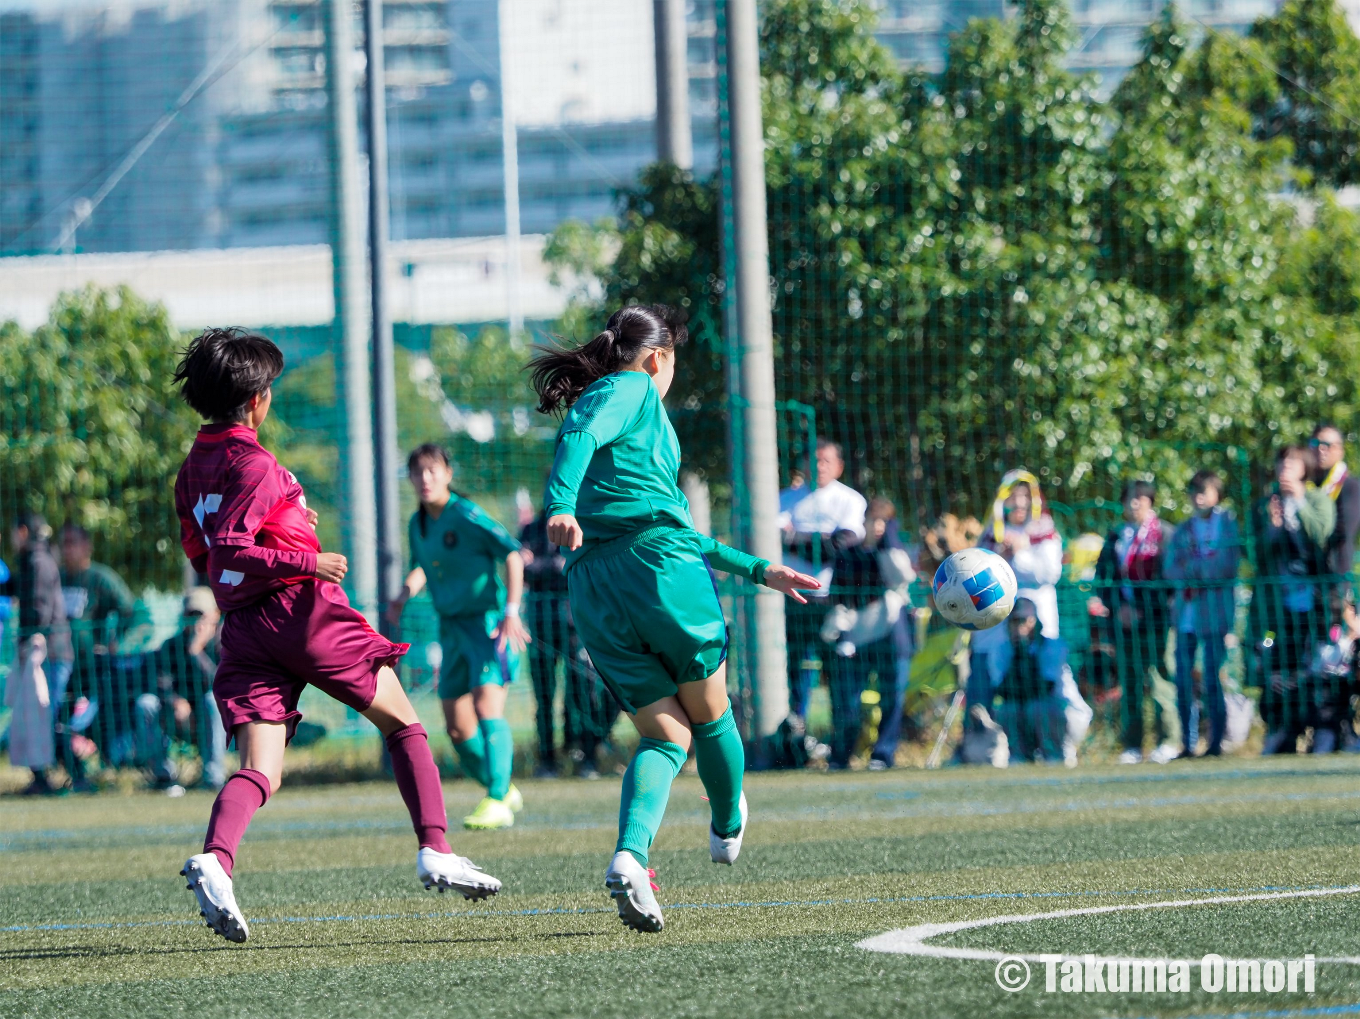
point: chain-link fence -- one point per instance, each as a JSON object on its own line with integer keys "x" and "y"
{"x": 997, "y": 277}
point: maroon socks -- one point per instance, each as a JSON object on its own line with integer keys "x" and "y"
{"x": 242, "y": 795}
{"x": 418, "y": 782}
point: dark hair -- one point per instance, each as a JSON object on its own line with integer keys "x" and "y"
{"x": 1139, "y": 490}
{"x": 428, "y": 451}
{"x": 1304, "y": 453}
{"x": 882, "y": 508}
{"x": 223, "y": 368}
{"x": 76, "y": 531}
{"x": 824, "y": 443}
{"x": 561, "y": 374}
{"x": 1205, "y": 480}
{"x": 1326, "y": 426}
{"x": 34, "y": 523}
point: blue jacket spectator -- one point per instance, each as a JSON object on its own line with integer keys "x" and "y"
{"x": 1202, "y": 557}
{"x": 1027, "y": 671}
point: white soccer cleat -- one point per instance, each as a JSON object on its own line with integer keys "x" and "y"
{"x": 727, "y": 850}
{"x": 1131, "y": 757}
{"x": 630, "y": 886}
{"x": 449, "y": 870}
{"x": 216, "y": 903}
{"x": 1164, "y": 754}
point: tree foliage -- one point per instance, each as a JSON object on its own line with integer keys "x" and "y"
{"x": 994, "y": 267}
{"x": 94, "y": 428}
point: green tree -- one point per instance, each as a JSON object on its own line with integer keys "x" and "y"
{"x": 992, "y": 267}
{"x": 1316, "y": 58}
{"x": 94, "y": 430}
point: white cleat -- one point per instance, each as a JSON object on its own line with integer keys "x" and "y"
{"x": 727, "y": 850}
{"x": 449, "y": 870}
{"x": 630, "y": 886}
{"x": 1164, "y": 754}
{"x": 216, "y": 903}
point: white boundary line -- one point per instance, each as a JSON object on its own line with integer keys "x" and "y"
{"x": 911, "y": 940}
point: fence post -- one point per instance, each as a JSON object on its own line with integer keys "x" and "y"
{"x": 674, "y": 141}
{"x": 347, "y": 277}
{"x": 384, "y": 382}
{"x": 760, "y": 463}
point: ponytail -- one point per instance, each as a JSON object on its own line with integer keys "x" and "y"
{"x": 561, "y": 374}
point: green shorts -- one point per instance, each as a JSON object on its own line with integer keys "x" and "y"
{"x": 646, "y": 608}
{"x": 470, "y": 655}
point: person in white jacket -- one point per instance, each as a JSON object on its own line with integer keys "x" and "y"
{"x": 1023, "y": 534}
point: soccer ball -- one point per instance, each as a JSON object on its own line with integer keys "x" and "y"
{"x": 974, "y": 589}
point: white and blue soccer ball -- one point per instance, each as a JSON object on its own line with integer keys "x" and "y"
{"x": 974, "y": 589}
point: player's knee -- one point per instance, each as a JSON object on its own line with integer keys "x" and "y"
{"x": 459, "y": 733}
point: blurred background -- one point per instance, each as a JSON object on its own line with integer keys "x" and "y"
{"x": 1099, "y": 241}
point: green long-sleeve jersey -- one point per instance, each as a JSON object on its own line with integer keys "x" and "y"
{"x": 616, "y": 467}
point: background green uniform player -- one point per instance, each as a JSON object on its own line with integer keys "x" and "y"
{"x": 642, "y": 594}
{"x": 456, "y": 550}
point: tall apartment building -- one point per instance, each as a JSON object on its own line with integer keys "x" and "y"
{"x": 1109, "y": 32}
{"x": 244, "y": 162}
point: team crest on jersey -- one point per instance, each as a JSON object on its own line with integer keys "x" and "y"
{"x": 450, "y": 539}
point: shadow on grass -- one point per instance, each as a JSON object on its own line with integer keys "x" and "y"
{"x": 120, "y": 951}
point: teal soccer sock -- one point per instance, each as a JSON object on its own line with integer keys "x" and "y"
{"x": 500, "y": 756}
{"x": 646, "y": 788}
{"x": 472, "y": 756}
{"x": 722, "y": 760}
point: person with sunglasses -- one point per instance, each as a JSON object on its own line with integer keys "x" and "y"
{"x": 1334, "y": 478}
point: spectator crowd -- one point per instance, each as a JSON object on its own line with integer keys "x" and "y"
{"x": 1164, "y": 608}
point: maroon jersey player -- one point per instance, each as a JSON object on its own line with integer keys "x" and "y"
{"x": 245, "y": 524}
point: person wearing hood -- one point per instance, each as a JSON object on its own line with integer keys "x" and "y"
{"x": 1023, "y": 534}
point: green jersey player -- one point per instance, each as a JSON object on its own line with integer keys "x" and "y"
{"x": 641, "y": 590}
{"x": 456, "y": 552}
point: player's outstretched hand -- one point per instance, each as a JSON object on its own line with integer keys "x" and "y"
{"x": 564, "y": 531}
{"x": 331, "y": 566}
{"x": 790, "y": 581}
{"x": 513, "y": 632}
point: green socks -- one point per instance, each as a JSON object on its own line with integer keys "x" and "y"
{"x": 646, "y": 788}
{"x": 647, "y": 783}
{"x": 472, "y": 756}
{"x": 722, "y": 760}
{"x": 500, "y": 756}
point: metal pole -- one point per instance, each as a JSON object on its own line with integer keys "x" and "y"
{"x": 351, "y": 333}
{"x": 384, "y": 381}
{"x": 510, "y": 164}
{"x": 752, "y": 260}
{"x": 674, "y": 139}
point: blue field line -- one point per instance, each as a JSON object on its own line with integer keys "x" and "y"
{"x": 1281, "y": 1013}
{"x": 761, "y": 904}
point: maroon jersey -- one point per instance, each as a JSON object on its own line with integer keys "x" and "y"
{"x": 242, "y": 517}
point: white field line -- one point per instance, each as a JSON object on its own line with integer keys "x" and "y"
{"x": 912, "y": 940}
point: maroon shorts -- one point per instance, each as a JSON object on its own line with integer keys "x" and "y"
{"x": 306, "y": 633}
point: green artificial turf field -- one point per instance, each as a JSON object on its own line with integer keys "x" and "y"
{"x": 95, "y": 922}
